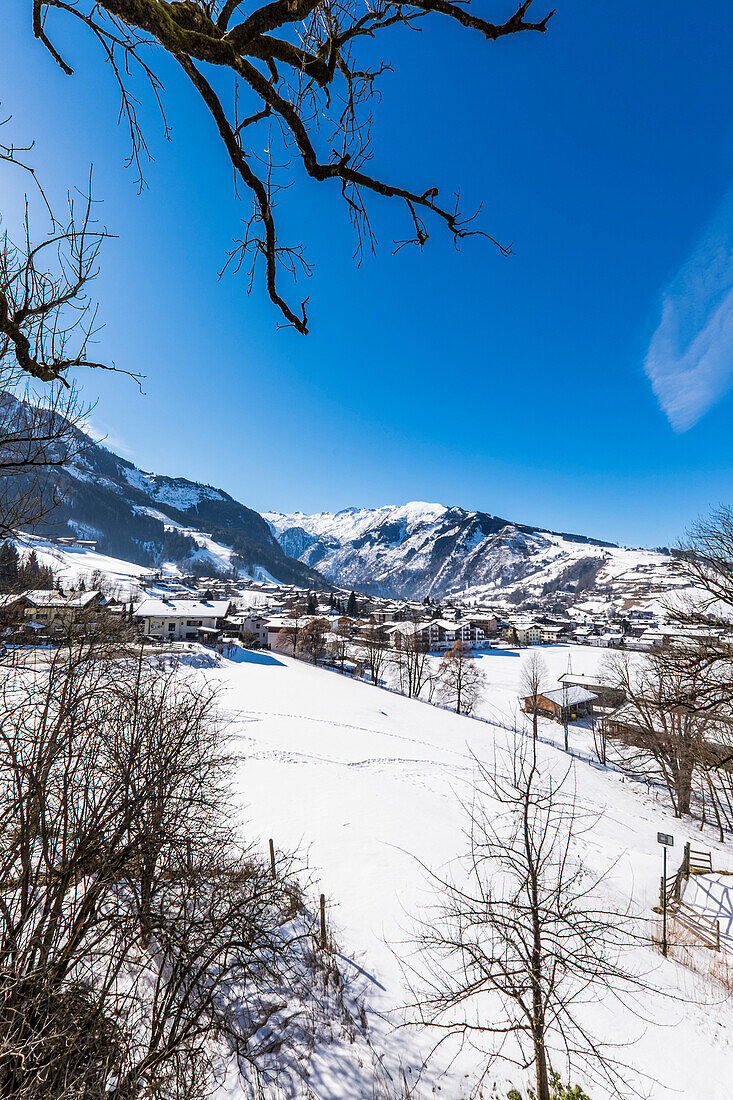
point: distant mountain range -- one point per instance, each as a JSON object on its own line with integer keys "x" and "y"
{"x": 417, "y": 550}
{"x": 414, "y": 551}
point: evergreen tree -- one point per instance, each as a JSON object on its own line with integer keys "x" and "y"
{"x": 351, "y": 608}
{"x": 9, "y": 566}
{"x": 310, "y": 606}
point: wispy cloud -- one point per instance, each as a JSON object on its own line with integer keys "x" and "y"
{"x": 690, "y": 358}
{"x": 105, "y": 435}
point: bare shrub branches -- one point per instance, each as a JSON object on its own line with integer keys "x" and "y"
{"x": 144, "y": 949}
{"x": 38, "y": 438}
{"x": 300, "y": 71}
{"x": 519, "y": 940}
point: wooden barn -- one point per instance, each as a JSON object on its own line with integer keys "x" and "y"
{"x": 607, "y": 695}
{"x": 565, "y": 704}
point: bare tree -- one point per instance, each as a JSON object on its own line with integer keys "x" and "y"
{"x": 313, "y": 639}
{"x": 304, "y": 78}
{"x": 46, "y": 323}
{"x": 677, "y": 724}
{"x": 411, "y": 661}
{"x": 518, "y": 940}
{"x": 38, "y": 438}
{"x": 143, "y": 946}
{"x": 375, "y": 647}
{"x": 705, "y": 558}
{"x": 339, "y": 647}
{"x": 288, "y": 637}
{"x": 460, "y": 679}
{"x": 46, "y": 316}
{"x": 533, "y": 680}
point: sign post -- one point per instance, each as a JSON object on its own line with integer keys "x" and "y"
{"x": 666, "y": 841}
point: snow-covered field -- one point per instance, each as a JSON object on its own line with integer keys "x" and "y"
{"x": 369, "y": 783}
{"x": 74, "y": 563}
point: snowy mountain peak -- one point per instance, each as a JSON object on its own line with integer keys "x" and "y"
{"x": 420, "y": 549}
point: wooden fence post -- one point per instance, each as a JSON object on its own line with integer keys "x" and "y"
{"x": 686, "y": 861}
{"x": 662, "y": 889}
{"x": 272, "y": 858}
{"x": 323, "y": 921}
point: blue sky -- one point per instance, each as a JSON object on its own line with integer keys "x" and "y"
{"x": 581, "y": 384}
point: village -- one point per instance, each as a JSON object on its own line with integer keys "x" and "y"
{"x": 362, "y": 636}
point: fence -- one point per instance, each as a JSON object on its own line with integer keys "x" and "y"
{"x": 695, "y": 861}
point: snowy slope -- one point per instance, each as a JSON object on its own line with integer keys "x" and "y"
{"x": 151, "y": 518}
{"x": 369, "y": 782}
{"x": 419, "y": 549}
{"x": 122, "y": 578}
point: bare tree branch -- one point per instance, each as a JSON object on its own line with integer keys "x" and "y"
{"x": 294, "y": 61}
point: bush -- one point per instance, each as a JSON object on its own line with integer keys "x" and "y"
{"x": 558, "y": 1091}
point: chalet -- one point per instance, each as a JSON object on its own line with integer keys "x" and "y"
{"x": 12, "y": 609}
{"x": 442, "y": 634}
{"x": 564, "y": 704}
{"x": 483, "y": 627}
{"x": 281, "y": 631}
{"x": 245, "y": 626}
{"x": 55, "y": 612}
{"x": 398, "y": 633}
{"x": 182, "y": 620}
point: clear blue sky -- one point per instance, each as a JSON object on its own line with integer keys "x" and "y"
{"x": 603, "y": 149}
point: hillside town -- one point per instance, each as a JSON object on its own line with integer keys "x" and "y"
{"x": 260, "y": 614}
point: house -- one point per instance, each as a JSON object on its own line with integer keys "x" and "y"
{"x": 398, "y": 633}
{"x": 182, "y": 620}
{"x": 482, "y": 627}
{"x": 281, "y": 632}
{"x": 244, "y": 626}
{"x": 55, "y": 612}
{"x": 564, "y": 704}
{"x": 442, "y": 634}
{"x": 552, "y": 633}
{"x": 606, "y": 640}
{"x": 525, "y": 633}
{"x": 607, "y": 695}
{"x": 12, "y": 610}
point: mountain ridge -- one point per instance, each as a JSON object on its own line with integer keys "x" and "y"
{"x": 420, "y": 549}
{"x": 148, "y": 518}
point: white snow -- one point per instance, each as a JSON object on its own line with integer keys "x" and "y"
{"x": 352, "y": 523}
{"x": 368, "y": 782}
{"x": 175, "y": 492}
{"x": 401, "y": 548}
{"x": 72, "y": 564}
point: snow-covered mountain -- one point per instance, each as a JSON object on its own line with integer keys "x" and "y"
{"x": 418, "y": 549}
{"x": 147, "y": 519}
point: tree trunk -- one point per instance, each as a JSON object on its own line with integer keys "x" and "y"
{"x": 540, "y": 1060}
{"x": 684, "y": 786}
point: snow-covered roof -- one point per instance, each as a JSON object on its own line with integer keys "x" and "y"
{"x": 582, "y": 681}
{"x": 182, "y": 609}
{"x": 42, "y": 597}
{"x": 569, "y": 696}
{"x": 7, "y": 599}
